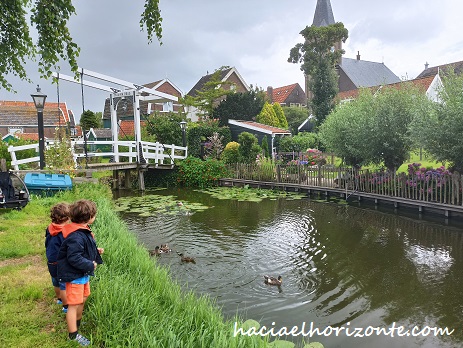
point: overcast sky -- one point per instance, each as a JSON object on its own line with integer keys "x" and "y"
{"x": 255, "y": 36}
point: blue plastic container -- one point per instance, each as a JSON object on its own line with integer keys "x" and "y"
{"x": 40, "y": 183}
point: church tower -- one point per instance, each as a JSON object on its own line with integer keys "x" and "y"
{"x": 323, "y": 17}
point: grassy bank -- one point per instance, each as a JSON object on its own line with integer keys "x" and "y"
{"x": 134, "y": 302}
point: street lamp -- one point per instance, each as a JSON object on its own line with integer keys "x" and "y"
{"x": 183, "y": 126}
{"x": 39, "y": 101}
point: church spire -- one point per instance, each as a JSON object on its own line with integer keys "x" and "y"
{"x": 323, "y": 14}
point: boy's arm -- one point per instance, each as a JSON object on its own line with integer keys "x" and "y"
{"x": 75, "y": 251}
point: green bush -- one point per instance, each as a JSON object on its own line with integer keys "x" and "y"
{"x": 231, "y": 153}
{"x": 249, "y": 147}
{"x": 193, "y": 172}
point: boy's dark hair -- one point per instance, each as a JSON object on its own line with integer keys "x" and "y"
{"x": 59, "y": 213}
{"x": 82, "y": 211}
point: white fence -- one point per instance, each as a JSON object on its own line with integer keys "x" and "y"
{"x": 153, "y": 153}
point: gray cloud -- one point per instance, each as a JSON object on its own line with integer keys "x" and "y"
{"x": 254, "y": 36}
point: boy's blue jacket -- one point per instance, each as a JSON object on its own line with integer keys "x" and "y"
{"x": 53, "y": 240}
{"x": 76, "y": 255}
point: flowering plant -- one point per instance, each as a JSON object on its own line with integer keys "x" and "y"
{"x": 315, "y": 157}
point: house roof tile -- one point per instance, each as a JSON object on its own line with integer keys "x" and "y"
{"x": 363, "y": 73}
{"x": 280, "y": 94}
{"x": 20, "y": 113}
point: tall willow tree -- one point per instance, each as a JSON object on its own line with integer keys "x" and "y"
{"x": 50, "y": 18}
{"x": 318, "y": 56}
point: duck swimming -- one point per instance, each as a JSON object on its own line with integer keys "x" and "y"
{"x": 154, "y": 252}
{"x": 186, "y": 258}
{"x": 273, "y": 281}
{"x": 165, "y": 249}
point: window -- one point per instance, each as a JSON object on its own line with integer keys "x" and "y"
{"x": 13, "y": 130}
{"x": 168, "y": 106}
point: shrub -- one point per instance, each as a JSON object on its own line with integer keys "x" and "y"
{"x": 231, "y": 153}
{"x": 193, "y": 172}
{"x": 249, "y": 148}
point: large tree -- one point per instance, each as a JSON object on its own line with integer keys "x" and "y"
{"x": 240, "y": 106}
{"x": 318, "y": 56}
{"x": 375, "y": 128}
{"x": 54, "y": 42}
{"x": 438, "y": 128}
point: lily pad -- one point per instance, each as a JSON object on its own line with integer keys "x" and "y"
{"x": 152, "y": 204}
{"x": 246, "y": 194}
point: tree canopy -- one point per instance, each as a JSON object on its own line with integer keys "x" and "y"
{"x": 89, "y": 119}
{"x": 375, "y": 128}
{"x": 50, "y": 18}
{"x": 318, "y": 56}
{"x": 240, "y": 106}
{"x": 438, "y": 129}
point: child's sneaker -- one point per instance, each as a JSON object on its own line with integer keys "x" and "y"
{"x": 83, "y": 341}
{"x": 58, "y": 301}
{"x": 64, "y": 310}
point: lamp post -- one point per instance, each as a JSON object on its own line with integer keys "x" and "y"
{"x": 39, "y": 101}
{"x": 183, "y": 127}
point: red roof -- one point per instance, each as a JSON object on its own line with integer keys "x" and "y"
{"x": 28, "y": 136}
{"x": 280, "y": 94}
{"x": 127, "y": 128}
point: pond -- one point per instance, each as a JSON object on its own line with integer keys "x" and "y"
{"x": 342, "y": 266}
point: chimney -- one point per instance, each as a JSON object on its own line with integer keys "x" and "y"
{"x": 270, "y": 94}
{"x": 358, "y": 55}
{"x": 426, "y": 66}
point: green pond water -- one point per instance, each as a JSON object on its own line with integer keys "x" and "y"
{"x": 342, "y": 265}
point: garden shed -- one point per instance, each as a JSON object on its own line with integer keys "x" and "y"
{"x": 259, "y": 130}
{"x": 99, "y": 134}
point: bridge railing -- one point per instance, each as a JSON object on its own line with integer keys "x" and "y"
{"x": 153, "y": 153}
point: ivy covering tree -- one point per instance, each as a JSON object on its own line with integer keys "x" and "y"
{"x": 267, "y": 116}
{"x": 318, "y": 56}
{"x": 89, "y": 120}
{"x": 54, "y": 42}
{"x": 211, "y": 93}
{"x": 240, "y": 106}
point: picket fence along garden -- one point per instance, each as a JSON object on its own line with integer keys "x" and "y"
{"x": 429, "y": 186}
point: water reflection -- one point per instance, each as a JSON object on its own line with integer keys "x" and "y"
{"x": 341, "y": 265}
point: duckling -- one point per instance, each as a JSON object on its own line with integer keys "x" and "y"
{"x": 165, "y": 249}
{"x": 273, "y": 281}
{"x": 186, "y": 258}
{"x": 155, "y": 252}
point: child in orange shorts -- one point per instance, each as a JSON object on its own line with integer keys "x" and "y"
{"x": 77, "y": 260}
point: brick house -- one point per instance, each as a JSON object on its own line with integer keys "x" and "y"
{"x": 21, "y": 117}
{"x": 229, "y": 75}
{"x": 291, "y": 95}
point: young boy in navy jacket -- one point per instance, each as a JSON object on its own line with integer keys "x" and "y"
{"x": 77, "y": 260}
